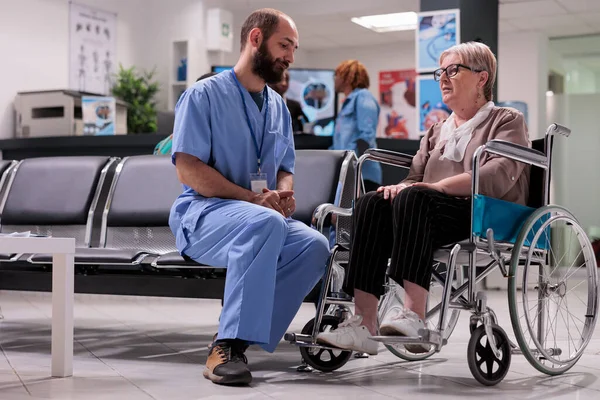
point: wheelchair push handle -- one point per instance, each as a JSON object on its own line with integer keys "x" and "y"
{"x": 560, "y": 129}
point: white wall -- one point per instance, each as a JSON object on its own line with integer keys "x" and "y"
{"x": 301, "y": 58}
{"x": 167, "y": 22}
{"x": 400, "y": 55}
{"x": 576, "y": 166}
{"x": 34, "y": 42}
{"x": 579, "y": 79}
{"x": 523, "y": 75}
{"x": 555, "y": 62}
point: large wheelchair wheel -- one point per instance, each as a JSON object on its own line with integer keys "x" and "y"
{"x": 326, "y": 360}
{"x": 394, "y": 296}
{"x": 555, "y": 312}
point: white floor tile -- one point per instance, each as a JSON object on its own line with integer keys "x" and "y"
{"x": 155, "y": 348}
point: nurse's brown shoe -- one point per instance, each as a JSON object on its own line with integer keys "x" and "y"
{"x": 227, "y": 364}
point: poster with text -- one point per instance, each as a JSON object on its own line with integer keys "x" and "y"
{"x": 436, "y": 32}
{"x": 431, "y": 109}
{"x": 397, "y": 100}
{"x": 92, "y": 49}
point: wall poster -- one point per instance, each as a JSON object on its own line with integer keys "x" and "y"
{"x": 397, "y": 100}
{"x": 92, "y": 49}
{"x": 431, "y": 109}
{"x": 436, "y": 32}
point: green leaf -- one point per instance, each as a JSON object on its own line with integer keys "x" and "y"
{"x": 138, "y": 89}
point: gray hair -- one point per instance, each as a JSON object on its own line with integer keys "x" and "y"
{"x": 478, "y": 56}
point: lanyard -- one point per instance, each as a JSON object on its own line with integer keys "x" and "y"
{"x": 266, "y": 104}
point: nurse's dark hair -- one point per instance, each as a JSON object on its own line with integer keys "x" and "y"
{"x": 266, "y": 19}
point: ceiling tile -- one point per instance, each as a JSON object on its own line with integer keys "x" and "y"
{"x": 505, "y": 26}
{"x": 592, "y": 19}
{"x": 536, "y": 8}
{"x": 576, "y": 46}
{"x": 569, "y": 30}
{"x": 548, "y": 22}
{"x": 578, "y": 6}
{"x": 515, "y": 1}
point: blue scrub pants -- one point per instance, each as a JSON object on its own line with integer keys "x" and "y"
{"x": 272, "y": 264}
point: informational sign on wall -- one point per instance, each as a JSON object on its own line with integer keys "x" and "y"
{"x": 436, "y": 32}
{"x": 429, "y": 102}
{"x": 92, "y": 49}
{"x": 397, "y": 100}
{"x": 99, "y": 114}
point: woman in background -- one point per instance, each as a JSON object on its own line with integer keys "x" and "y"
{"x": 356, "y": 124}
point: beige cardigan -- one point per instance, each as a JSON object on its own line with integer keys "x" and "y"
{"x": 498, "y": 177}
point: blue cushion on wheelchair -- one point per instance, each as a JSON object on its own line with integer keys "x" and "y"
{"x": 506, "y": 220}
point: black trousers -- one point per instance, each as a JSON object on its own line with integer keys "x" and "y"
{"x": 408, "y": 230}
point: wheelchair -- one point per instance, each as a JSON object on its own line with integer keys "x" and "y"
{"x": 541, "y": 249}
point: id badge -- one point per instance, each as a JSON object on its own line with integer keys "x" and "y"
{"x": 258, "y": 182}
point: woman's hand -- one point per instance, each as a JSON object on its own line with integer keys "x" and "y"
{"x": 389, "y": 192}
{"x": 438, "y": 187}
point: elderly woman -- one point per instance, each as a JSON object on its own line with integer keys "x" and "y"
{"x": 431, "y": 208}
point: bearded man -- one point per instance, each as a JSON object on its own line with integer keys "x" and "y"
{"x": 233, "y": 149}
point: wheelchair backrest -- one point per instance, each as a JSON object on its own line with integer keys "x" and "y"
{"x": 536, "y": 179}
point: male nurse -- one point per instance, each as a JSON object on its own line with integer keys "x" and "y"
{"x": 233, "y": 149}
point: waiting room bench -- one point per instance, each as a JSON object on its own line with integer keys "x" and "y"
{"x": 117, "y": 209}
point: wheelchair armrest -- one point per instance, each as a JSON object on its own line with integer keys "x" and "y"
{"x": 389, "y": 157}
{"x": 517, "y": 152}
{"x": 323, "y": 211}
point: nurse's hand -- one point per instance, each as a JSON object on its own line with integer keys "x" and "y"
{"x": 271, "y": 199}
{"x": 288, "y": 204}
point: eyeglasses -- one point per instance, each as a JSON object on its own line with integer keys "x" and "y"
{"x": 451, "y": 70}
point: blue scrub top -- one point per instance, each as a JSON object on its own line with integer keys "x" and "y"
{"x": 210, "y": 124}
{"x": 358, "y": 120}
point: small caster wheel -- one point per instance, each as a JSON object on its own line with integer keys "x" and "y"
{"x": 483, "y": 363}
{"x": 326, "y": 360}
{"x": 361, "y": 355}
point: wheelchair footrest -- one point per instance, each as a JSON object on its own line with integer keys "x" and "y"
{"x": 427, "y": 337}
{"x": 302, "y": 340}
{"x": 400, "y": 340}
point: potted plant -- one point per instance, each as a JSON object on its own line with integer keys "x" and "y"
{"x": 138, "y": 90}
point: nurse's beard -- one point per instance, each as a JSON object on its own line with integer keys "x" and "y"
{"x": 266, "y": 67}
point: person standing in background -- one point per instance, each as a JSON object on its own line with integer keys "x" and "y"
{"x": 356, "y": 124}
{"x": 293, "y": 106}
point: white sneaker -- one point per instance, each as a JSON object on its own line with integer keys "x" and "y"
{"x": 401, "y": 322}
{"x": 350, "y": 335}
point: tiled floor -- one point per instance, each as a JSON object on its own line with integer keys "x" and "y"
{"x": 154, "y": 348}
